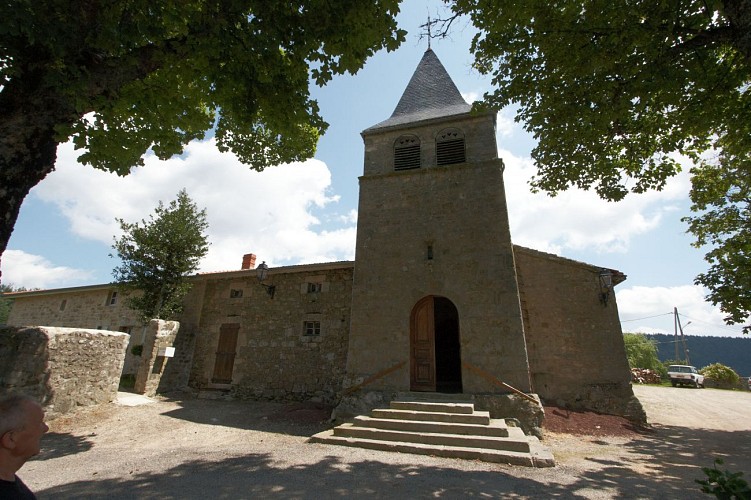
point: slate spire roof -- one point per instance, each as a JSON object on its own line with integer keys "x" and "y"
{"x": 431, "y": 93}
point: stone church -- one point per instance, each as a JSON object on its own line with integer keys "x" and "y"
{"x": 438, "y": 299}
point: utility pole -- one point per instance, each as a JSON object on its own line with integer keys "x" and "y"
{"x": 679, "y": 327}
{"x": 675, "y": 330}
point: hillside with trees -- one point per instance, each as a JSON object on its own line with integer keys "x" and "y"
{"x": 734, "y": 352}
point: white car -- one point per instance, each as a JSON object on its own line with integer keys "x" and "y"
{"x": 685, "y": 375}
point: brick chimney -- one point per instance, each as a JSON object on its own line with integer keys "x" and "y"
{"x": 249, "y": 261}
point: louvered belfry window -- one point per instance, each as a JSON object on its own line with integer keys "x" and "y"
{"x": 450, "y": 147}
{"x": 407, "y": 152}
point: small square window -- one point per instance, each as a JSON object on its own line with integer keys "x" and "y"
{"x": 235, "y": 293}
{"x": 312, "y": 328}
{"x": 314, "y": 287}
{"x": 112, "y": 299}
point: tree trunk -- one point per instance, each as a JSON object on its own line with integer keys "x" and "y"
{"x": 28, "y": 150}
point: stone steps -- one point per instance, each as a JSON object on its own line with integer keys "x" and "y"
{"x": 440, "y": 428}
{"x": 495, "y": 428}
{"x": 478, "y": 417}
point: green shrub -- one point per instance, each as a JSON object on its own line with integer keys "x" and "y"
{"x": 641, "y": 352}
{"x": 724, "y": 484}
{"x": 721, "y": 374}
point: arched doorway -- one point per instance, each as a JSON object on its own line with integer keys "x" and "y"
{"x": 435, "y": 355}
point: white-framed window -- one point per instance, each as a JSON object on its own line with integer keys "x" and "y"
{"x": 311, "y": 328}
{"x": 112, "y": 298}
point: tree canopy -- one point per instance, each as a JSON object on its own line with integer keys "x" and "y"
{"x": 614, "y": 90}
{"x": 642, "y": 352}
{"x": 120, "y": 78}
{"x": 157, "y": 256}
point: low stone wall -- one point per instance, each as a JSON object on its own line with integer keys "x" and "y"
{"x": 62, "y": 367}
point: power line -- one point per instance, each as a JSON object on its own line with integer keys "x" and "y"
{"x": 723, "y": 327}
{"x": 693, "y": 320}
{"x": 647, "y": 317}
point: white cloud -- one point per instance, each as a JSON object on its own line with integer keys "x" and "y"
{"x": 349, "y": 218}
{"x": 471, "y": 96}
{"x": 505, "y": 124}
{"x": 32, "y": 271}
{"x": 650, "y": 310}
{"x": 268, "y": 213}
{"x": 576, "y": 219}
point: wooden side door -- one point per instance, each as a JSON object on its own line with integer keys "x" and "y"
{"x": 225, "y": 353}
{"x": 422, "y": 346}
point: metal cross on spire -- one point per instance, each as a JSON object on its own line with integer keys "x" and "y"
{"x": 430, "y": 35}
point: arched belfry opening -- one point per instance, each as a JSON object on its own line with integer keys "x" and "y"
{"x": 435, "y": 352}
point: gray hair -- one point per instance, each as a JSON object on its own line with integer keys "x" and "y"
{"x": 12, "y": 411}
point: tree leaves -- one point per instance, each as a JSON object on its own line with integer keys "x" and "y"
{"x": 613, "y": 91}
{"x": 157, "y": 255}
{"x": 124, "y": 77}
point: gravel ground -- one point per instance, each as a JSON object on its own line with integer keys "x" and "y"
{"x": 188, "y": 448}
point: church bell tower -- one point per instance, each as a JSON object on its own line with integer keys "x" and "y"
{"x": 435, "y": 303}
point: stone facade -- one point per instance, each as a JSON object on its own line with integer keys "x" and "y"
{"x": 62, "y": 367}
{"x": 276, "y": 356}
{"x": 573, "y": 341}
{"x": 435, "y": 232}
{"x": 577, "y": 357}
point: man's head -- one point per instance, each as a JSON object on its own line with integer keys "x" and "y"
{"x": 21, "y": 427}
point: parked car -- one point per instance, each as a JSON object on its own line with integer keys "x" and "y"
{"x": 685, "y": 375}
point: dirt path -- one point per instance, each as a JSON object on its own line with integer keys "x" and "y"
{"x": 230, "y": 449}
{"x": 697, "y": 408}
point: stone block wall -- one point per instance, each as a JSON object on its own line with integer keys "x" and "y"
{"x": 91, "y": 307}
{"x": 577, "y": 357}
{"x": 439, "y": 232}
{"x": 160, "y": 335}
{"x": 479, "y": 135}
{"x": 176, "y": 374}
{"x": 275, "y": 357}
{"x": 62, "y": 367}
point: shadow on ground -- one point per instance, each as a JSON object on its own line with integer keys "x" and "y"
{"x": 662, "y": 465}
{"x": 56, "y": 445}
{"x": 256, "y": 476}
{"x": 667, "y": 462}
{"x": 298, "y": 419}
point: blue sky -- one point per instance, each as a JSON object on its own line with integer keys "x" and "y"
{"x": 307, "y": 212}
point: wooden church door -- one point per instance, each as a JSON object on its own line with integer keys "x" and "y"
{"x": 225, "y": 353}
{"x": 422, "y": 346}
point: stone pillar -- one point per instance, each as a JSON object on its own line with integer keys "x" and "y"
{"x": 160, "y": 335}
